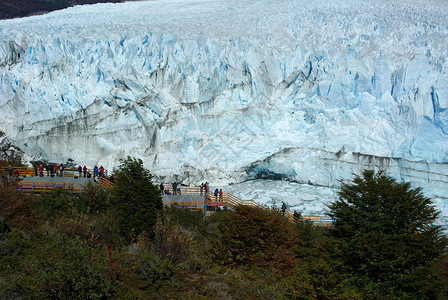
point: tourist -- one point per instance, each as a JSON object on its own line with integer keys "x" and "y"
{"x": 41, "y": 171}
{"x": 220, "y": 195}
{"x": 95, "y": 173}
{"x": 35, "y": 170}
{"x": 55, "y": 170}
{"x": 48, "y": 169}
{"x": 173, "y": 185}
{"x": 101, "y": 171}
{"x": 216, "y": 194}
{"x": 61, "y": 170}
{"x": 162, "y": 188}
{"x": 297, "y": 216}
{"x": 179, "y": 185}
{"x": 202, "y": 187}
{"x": 283, "y": 208}
{"x": 84, "y": 170}
{"x": 79, "y": 171}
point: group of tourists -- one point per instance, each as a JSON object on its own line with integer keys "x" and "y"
{"x": 12, "y": 172}
{"x": 50, "y": 170}
{"x": 97, "y": 172}
{"x": 58, "y": 171}
{"x": 176, "y": 189}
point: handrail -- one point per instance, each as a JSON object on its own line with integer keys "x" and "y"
{"x": 106, "y": 183}
{"x": 35, "y": 186}
{"x": 233, "y": 201}
{"x": 67, "y": 172}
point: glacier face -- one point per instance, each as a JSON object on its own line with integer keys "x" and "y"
{"x": 226, "y": 91}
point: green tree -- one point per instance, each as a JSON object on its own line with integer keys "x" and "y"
{"x": 136, "y": 199}
{"x": 384, "y": 235}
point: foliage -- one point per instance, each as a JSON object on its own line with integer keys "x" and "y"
{"x": 253, "y": 236}
{"x": 137, "y": 200}
{"x": 171, "y": 242}
{"x": 49, "y": 265}
{"x": 320, "y": 281}
{"x": 384, "y": 236}
{"x": 18, "y": 209}
{"x": 183, "y": 217}
{"x": 55, "y": 203}
{"x": 92, "y": 229}
{"x": 69, "y": 268}
{"x": 94, "y": 199}
{"x": 155, "y": 270}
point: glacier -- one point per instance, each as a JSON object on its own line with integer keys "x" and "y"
{"x": 308, "y": 92}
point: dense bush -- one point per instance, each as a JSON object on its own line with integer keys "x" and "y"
{"x": 384, "y": 236}
{"x": 55, "y": 203}
{"x": 253, "y": 236}
{"x": 18, "y": 208}
{"x": 94, "y": 199}
{"x": 171, "y": 243}
{"x": 136, "y": 200}
{"x": 68, "y": 268}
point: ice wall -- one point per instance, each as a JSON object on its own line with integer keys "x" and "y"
{"x": 226, "y": 91}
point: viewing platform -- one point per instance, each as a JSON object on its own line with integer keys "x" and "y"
{"x": 190, "y": 197}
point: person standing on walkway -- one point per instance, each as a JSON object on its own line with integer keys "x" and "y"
{"x": 79, "y": 171}
{"x": 101, "y": 171}
{"x": 216, "y": 194}
{"x": 84, "y": 170}
{"x": 174, "y": 186}
{"x": 202, "y": 187}
{"x": 56, "y": 170}
{"x": 41, "y": 171}
{"x": 162, "y": 188}
{"x": 48, "y": 169}
{"x": 220, "y": 195}
{"x": 283, "y": 208}
{"x": 179, "y": 186}
{"x": 61, "y": 170}
{"x": 95, "y": 173}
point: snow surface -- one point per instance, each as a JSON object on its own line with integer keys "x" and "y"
{"x": 228, "y": 91}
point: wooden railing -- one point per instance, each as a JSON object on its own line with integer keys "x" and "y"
{"x": 231, "y": 201}
{"x": 49, "y": 186}
{"x": 67, "y": 172}
{"x": 195, "y": 206}
{"x": 106, "y": 183}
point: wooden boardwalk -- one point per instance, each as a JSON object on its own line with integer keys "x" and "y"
{"x": 191, "y": 197}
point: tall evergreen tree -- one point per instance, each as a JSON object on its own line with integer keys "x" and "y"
{"x": 385, "y": 236}
{"x": 136, "y": 199}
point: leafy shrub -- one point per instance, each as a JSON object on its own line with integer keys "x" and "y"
{"x": 92, "y": 229}
{"x": 256, "y": 236}
{"x": 94, "y": 199}
{"x": 55, "y": 203}
{"x": 155, "y": 270}
{"x": 320, "y": 281}
{"x": 17, "y": 208}
{"x": 68, "y": 268}
{"x": 171, "y": 242}
{"x": 184, "y": 217}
